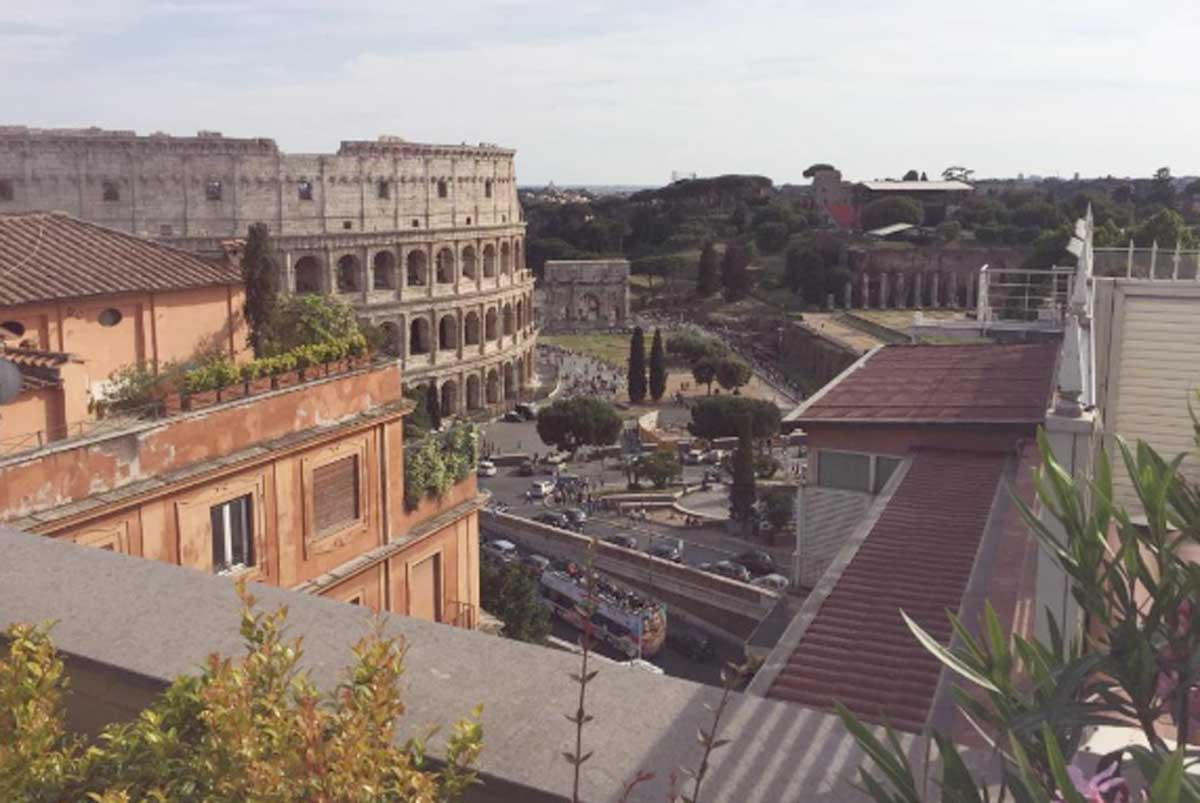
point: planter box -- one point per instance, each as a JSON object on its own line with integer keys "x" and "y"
{"x": 260, "y": 385}
{"x": 198, "y": 401}
{"x": 173, "y": 404}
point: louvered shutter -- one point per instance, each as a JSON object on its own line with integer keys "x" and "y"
{"x": 335, "y": 495}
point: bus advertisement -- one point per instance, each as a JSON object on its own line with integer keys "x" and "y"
{"x": 620, "y": 615}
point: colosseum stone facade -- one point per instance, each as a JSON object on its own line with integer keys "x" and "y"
{"x": 426, "y": 241}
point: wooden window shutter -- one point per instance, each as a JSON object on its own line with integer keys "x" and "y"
{"x": 335, "y": 495}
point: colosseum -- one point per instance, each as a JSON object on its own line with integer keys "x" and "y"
{"x": 425, "y": 241}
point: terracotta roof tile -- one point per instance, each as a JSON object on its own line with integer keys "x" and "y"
{"x": 984, "y": 383}
{"x": 918, "y": 558}
{"x": 51, "y": 255}
{"x": 39, "y": 369}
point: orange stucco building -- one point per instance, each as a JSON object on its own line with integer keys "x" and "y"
{"x": 301, "y": 487}
{"x": 79, "y": 301}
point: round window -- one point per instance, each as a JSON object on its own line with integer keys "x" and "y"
{"x": 110, "y": 317}
{"x": 14, "y": 328}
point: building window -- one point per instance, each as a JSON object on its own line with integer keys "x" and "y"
{"x": 109, "y": 191}
{"x": 212, "y": 191}
{"x": 335, "y": 495}
{"x": 347, "y": 224}
{"x": 468, "y": 221}
{"x": 6, "y": 189}
{"x": 845, "y": 470}
{"x": 487, "y": 188}
{"x": 14, "y": 328}
{"x": 110, "y": 317}
{"x": 416, "y": 223}
{"x": 383, "y": 190}
{"x": 884, "y": 468}
{"x": 304, "y": 190}
{"x": 232, "y": 535}
{"x": 443, "y": 190}
{"x": 166, "y": 230}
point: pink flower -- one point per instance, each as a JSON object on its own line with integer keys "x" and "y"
{"x": 1106, "y": 786}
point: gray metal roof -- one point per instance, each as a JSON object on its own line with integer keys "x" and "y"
{"x": 158, "y": 621}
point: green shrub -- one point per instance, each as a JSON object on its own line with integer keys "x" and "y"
{"x": 438, "y": 461}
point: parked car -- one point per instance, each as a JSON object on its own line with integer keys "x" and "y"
{"x": 727, "y": 568}
{"x": 557, "y": 458}
{"x": 758, "y": 562}
{"x": 536, "y": 564}
{"x": 692, "y": 643}
{"x": 541, "y": 488}
{"x": 771, "y": 582}
{"x": 500, "y": 550}
{"x": 692, "y": 457}
{"x": 527, "y": 412}
{"x": 626, "y": 541}
{"x": 512, "y": 417}
{"x": 577, "y": 516}
{"x": 525, "y": 469}
{"x": 666, "y": 548}
{"x": 714, "y": 456}
{"x": 486, "y": 468}
{"x": 554, "y": 520}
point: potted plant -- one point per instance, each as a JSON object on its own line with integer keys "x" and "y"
{"x": 356, "y": 350}
{"x": 201, "y": 388}
{"x": 224, "y": 374}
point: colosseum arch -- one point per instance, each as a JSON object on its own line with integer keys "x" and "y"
{"x": 448, "y": 331}
{"x": 510, "y": 382}
{"x": 417, "y": 268}
{"x": 519, "y": 366}
{"x": 445, "y": 266}
{"x": 383, "y": 270}
{"x": 489, "y": 261}
{"x": 308, "y": 275}
{"x": 505, "y": 258}
{"x": 468, "y": 262}
{"x": 493, "y": 387}
{"x": 473, "y": 400}
{"x": 518, "y": 255}
{"x": 392, "y": 342}
{"x": 349, "y": 274}
{"x": 449, "y": 397}
{"x": 471, "y": 329}
{"x": 418, "y": 336}
{"x": 520, "y": 314}
{"x": 508, "y": 319}
{"x": 489, "y": 324}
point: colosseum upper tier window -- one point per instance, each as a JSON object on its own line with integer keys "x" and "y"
{"x": 6, "y": 189}
{"x": 487, "y": 188}
{"x": 304, "y": 190}
{"x": 109, "y": 191}
{"x": 383, "y": 190}
{"x": 212, "y": 191}
{"x": 443, "y": 190}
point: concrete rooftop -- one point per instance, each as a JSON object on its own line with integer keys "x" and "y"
{"x": 152, "y": 621}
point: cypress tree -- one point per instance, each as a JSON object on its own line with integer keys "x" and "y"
{"x": 734, "y": 277}
{"x": 637, "y": 367}
{"x": 433, "y": 406}
{"x": 258, "y": 275}
{"x": 658, "y": 367}
{"x": 743, "y": 491}
{"x": 708, "y": 274}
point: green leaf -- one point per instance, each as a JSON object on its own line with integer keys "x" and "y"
{"x": 1058, "y": 768}
{"x": 946, "y": 656}
{"x": 1166, "y": 788}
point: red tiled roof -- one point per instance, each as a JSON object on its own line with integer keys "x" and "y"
{"x": 39, "y": 369}
{"x": 51, "y": 255}
{"x": 986, "y": 383}
{"x": 918, "y": 558}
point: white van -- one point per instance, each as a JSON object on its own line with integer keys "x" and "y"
{"x": 542, "y": 488}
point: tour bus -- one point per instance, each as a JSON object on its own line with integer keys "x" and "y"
{"x": 619, "y": 617}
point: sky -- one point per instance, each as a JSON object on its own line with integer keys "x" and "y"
{"x": 625, "y": 93}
